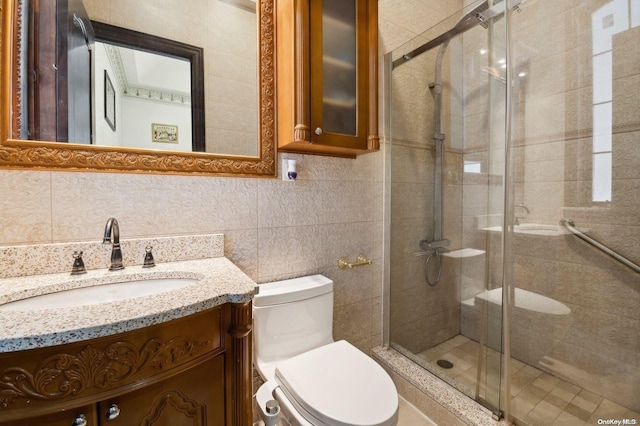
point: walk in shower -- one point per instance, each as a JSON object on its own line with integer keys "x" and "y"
{"x": 514, "y": 207}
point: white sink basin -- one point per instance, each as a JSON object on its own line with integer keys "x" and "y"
{"x": 104, "y": 293}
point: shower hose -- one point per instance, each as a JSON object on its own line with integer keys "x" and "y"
{"x": 440, "y": 259}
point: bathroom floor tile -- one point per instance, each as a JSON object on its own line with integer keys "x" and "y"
{"x": 586, "y": 400}
{"x": 566, "y": 419}
{"x": 538, "y": 398}
{"x": 546, "y": 381}
{"x": 543, "y": 414}
{"x": 577, "y": 411}
{"x": 470, "y": 347}
{"x": 629, "y": 414}
{"x": 556, "y": 401}
{"x": 610, "y": 410}
{"x": 536, "y": 390}
{"x": 520, "y": 406}
{"x": 565, "y": 390}
{"x": 458, "y": 340}
{"x": 530, "y": 395}
{"x": 436, "y": 352}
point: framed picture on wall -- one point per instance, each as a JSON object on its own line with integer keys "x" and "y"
{"x": 109, "y": 102}
{"x": 164, "y": 133}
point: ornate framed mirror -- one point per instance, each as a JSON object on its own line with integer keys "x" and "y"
{"x": 20, "y": 153}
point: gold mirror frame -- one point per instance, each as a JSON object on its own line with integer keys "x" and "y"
{"x": 42, "y": 155}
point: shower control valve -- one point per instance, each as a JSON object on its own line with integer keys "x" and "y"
{"x": 432, "y": 245}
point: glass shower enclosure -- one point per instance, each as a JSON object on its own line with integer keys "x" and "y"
{"x": 514, "y": 233}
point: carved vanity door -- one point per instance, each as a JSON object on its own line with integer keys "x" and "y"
{"x": 73, "y": 417}
{"x": 193, "y": 398}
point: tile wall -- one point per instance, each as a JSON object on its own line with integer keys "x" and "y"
{"x": 273, "y": 229}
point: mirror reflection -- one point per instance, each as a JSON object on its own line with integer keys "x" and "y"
{"x": 225, "y": 31}
{"x": 138, "y": 92}
{"x": 147, "y": 91}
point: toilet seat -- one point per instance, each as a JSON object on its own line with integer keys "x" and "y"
{"x": 338, "y": 385}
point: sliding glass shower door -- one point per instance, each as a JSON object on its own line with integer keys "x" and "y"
{"x": 448, "y": 114}
{"x": 527, "y": 300}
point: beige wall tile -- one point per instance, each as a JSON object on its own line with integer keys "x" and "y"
{"x": 147, "y": 205}
{"x": 26, "y": 207}
{"x": 264, "y": 240}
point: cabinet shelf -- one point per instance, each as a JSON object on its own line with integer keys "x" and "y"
{"x": 340, "y": 103}
{"x": 336, "y": 24}
{"x": 338, "y": 63}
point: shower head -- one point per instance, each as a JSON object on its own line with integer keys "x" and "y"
{"x": 483, "y": 14}
{"x": 471, "y": 19}
{"x": 496, "y": 12}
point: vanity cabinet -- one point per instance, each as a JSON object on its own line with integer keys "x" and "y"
{"x": 73, "y": 417}
{"x": 327, "y": 76}
{"x": 194, "y": 370}
{"x": 195, "y": 397}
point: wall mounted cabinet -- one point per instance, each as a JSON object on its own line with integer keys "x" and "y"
{"x": 327, "y": 76}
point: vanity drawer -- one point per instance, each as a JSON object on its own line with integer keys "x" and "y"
{"x": 45, "y": 379}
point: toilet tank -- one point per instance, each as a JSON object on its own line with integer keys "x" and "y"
{"x": 291, "y": 317}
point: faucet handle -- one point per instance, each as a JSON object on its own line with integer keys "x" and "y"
{"x": 78, "y": 265}
{"x": 148, "y": 258}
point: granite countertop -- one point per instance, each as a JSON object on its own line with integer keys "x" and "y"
{"x": 219, "y": 282}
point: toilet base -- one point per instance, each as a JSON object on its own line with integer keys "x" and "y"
{"x": 287, "y": 416}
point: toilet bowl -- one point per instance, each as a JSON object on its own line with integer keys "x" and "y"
{"x": 315, "y": 380}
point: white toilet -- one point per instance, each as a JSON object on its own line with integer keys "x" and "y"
{"x": 315, "y": 380}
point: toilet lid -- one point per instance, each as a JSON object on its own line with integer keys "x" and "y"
{"x": 337, "y": 384}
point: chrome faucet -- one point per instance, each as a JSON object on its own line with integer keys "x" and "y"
{"x": 522, "y": 206}
{"x": 110, "y": 228}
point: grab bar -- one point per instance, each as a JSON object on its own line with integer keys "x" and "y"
{"x": 570, "y": 225}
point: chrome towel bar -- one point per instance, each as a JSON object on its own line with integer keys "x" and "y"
{"x": 570, "y": 225}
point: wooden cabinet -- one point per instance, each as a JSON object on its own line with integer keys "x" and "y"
{"x": 190, "y": 371}
{"x": 327, "y": 76}
{"x": 195, "y": 397}
{"x": 71, "y": 417}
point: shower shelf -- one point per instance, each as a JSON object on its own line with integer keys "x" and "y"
{"x": 463, "y": 253}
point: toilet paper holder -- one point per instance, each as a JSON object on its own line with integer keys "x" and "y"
{"x": 361, "y": 260}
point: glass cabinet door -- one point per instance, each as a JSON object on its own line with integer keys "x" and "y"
{"x": 338, "y": 92}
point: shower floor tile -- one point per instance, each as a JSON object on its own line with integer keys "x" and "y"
{"x": 538, "y": 398}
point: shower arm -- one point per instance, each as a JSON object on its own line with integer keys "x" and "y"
{"x": 477, "y": 16}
